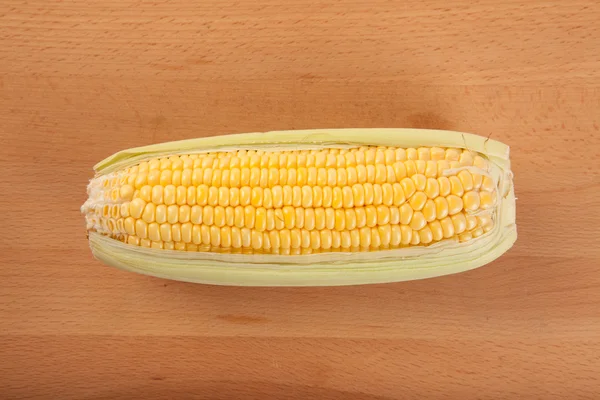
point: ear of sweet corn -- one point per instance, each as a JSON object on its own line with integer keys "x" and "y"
{"x": 318, "y": 207}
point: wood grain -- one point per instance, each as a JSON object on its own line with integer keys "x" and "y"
{"x": 80, "y": 80}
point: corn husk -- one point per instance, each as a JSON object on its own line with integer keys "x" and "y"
{"x": 325, "y": 269}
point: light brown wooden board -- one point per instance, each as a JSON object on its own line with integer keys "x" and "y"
{"x": 80, "y": 80}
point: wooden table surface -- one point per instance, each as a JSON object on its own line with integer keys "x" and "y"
{"x": 80, "y": 80}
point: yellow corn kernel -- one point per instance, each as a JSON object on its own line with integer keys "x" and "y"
{"x": 126, "y": 192}
{"x": 340, "y": 220}
{"x": 165, "y": 232}
{"x": 406, "y": 234}
{"x": 442, "y": 166}
{"x": 390, "y": 174}
{"x": 480, "y": 162}
{"x": 399, "y": 196}
{"x": 465, "y": 236}
{"x": 487, "y": 184}
{"x": 133, "y": 240}
{"x": 347, "y": 197}
{"x": 406, "y": 214}
{"x": 485, "y": 220}
{"x": 169, "y": 195}
{"x": 471, "y": 222}
{"x": 327, "y": 196}
{"x": 141, "y": 229}
{"x": 421, "y": 166}
{"x": 154, "y": 232}
{"x": 358, "y": 192}
{"x": 408, "y": 186}
{"x": 337, "y": 199}
{"x": 176, "y": 177}
{"x": 352, "y": 175}
{"x": 447, "y": 227}
{"x": 160, "y": 213}
{"x": 172, "y": 214}
{"x": 429, "y": 210}
{"x": 452, "y": 154}
{"x": 415, "y": 238}
{"x": 487, "y": 199}
{"x": 136, "y": 207}
{"x": 146, "y": 193}
{"x": 432, "y": 188}
{"x": 426, "y": 235}
{"x": 431, "y": 169}
{"x": 417, "y": 201}
{"x": 411, "y": 167}
{"x": 129, "y": 225}
{"x": 166, "y": 176}
{"x": 213, "y": 196}
{"x": 437, "y": 153}
{"x": 466, "y": 158}
{"x": 399, "y": 171}
{"x": 460, "y": 223}
{"x": 149, "y": 213}
{"x": 477, "y": 181}
{"x": 456, "y": 187}
{"x": 412, "y": 154}
{"x": 371, "y": 216}
{"x": 455, "y": 204}
{"x": 394, "y": 215}
{"x": 477, "y": 232}
{"x": 395, "y": 235}
{"x": 466, "y": 179}
{"x": 181, "y": 195}
{"x": 471, "y": 201}
{"x": 420, "y": 181}
{"x": 383, "y": 215}
{"x": 418, "y": 221}
{"x": 369, "y": 193}
{"x": 260, "y": 222}
{"x": 444, "y": 184}
{"x": 436, "y": 230}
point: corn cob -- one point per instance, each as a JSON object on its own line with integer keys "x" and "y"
{"x": 310, "y": 198}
